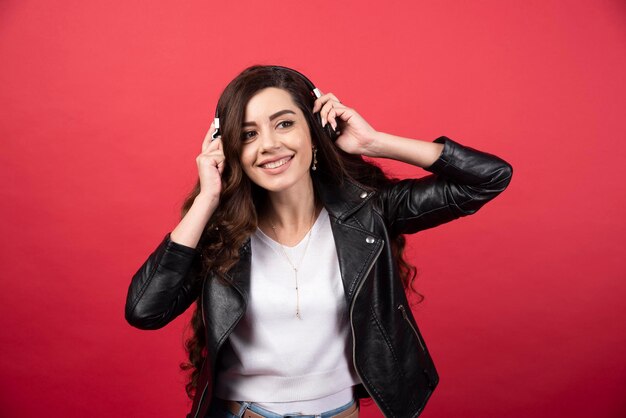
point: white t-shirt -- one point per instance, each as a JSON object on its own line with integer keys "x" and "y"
{"x": 276, "y": 360}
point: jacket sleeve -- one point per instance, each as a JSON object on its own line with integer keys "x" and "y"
{"x": 463, "y": 180}
{"x": 164, "y": 286}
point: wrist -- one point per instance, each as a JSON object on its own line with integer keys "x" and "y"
{"x": 376, "y": 146}
{"x": 206, "y": 200}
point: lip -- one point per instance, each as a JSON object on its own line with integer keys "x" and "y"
{"x": 274, "y": 159}
{"x": 277, "y": 170}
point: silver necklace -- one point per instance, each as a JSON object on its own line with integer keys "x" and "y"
{"x": 294, "y": 267}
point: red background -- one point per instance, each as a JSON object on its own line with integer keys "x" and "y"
{"x": 104, "y": 106}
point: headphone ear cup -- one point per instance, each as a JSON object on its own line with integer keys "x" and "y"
{"x": 328, "y": 129}
{"x": 331, "y": 133}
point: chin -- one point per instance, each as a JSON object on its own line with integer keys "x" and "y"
{"x": 281, "y": 184}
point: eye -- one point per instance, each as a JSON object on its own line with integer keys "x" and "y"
{"x": 285, "y": 123}
{"x": 248, "y": 135}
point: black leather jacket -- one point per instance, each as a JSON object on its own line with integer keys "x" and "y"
{"x": 389, "y": 354}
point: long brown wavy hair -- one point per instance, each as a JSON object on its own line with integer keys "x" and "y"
{"x": 235, "y": 219}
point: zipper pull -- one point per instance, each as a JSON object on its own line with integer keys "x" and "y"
{"x": 401, "y": 307}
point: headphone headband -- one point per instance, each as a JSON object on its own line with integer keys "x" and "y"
{"x": 328, "y": 129}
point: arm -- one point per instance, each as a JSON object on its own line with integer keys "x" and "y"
{"x": 168, "y": 282}
{"x": 411, "y": 151}
{"x": 463, "y": 180}
{"x": 164, "y": 286}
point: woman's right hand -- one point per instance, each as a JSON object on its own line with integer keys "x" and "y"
{"x": 210, "y": 166}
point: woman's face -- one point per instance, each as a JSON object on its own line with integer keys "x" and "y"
{"x": 276, "y": 142}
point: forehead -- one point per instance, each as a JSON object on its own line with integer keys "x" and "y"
{"x": 268, "y": 101}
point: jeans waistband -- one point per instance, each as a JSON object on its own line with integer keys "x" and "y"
{"x": 251, "y": 410}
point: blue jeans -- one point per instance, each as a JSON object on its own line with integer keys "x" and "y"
{"x": 218, "y": 411}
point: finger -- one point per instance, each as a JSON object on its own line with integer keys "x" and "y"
{"x": 324, "y": 113}
{"x": 333, "y": 97}
{"x": 219, "y": 162}
{"x": 323, "y": 99}
{"x": 207, "y": 137}
{"x": 341, "y": 113}
{"x": 331, "y": 118}
{"x": 210, "y": 160}
{"x": 318, "y": 102}
{"x": 214, "y": 145}
{"x": 215, "y": 157}
{"x": 336, "y": 115}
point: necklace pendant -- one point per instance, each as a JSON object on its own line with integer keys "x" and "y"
{"x": 295, "y": 268}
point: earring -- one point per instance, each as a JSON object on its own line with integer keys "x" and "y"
{"x": 314, "y": 159}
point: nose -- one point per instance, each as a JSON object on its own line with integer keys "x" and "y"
{"x": 268, "y": 141}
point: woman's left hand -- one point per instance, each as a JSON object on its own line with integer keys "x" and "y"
{"x": 357, "y": 136}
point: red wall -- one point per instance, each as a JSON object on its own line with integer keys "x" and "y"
{"x": 104, "y": 106}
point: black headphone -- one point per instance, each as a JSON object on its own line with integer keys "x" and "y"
{"x": 332, "y": 134}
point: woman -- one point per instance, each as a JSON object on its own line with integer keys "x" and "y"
{"x": 292, "y": 246}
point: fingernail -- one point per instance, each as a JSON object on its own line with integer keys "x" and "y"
{"x": 323, "y": 122}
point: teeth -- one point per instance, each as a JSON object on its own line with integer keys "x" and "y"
{"x": 275, "y": 164}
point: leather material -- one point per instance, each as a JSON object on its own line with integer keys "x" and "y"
{"x": 390, "y": 355}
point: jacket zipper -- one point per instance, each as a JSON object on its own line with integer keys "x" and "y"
{"x": 352, "y": 325}
{"x": 220, "y": 345}
{"x": 406, "y": 318}
{"x": 201, "y": 399}
{"x": 204, "y": 330}
{"x": 404, "y": 314}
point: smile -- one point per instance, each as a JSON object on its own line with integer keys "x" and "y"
{"x": 277, "y": 163}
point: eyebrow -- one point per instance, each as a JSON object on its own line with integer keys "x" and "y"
{"x": 272, "y": 117}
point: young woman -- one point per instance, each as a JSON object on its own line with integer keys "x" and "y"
{"x": 291, "y": 245}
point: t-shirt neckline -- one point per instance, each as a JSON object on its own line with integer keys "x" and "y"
{"x": 267, "y": 239}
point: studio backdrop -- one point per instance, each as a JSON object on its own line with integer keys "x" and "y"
{"x": 103, "y": 109}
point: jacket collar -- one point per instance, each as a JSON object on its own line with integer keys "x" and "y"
{"x": 342, "y": 200}
{"x": 339, "y": 200}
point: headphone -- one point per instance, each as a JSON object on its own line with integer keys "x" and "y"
{"x": 332, "y": 134}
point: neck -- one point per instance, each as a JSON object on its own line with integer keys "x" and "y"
{"x": 291, "y": 211}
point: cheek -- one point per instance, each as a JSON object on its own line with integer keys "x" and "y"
{"x": 246, "y": 159}
{"x": 305, "y": 142}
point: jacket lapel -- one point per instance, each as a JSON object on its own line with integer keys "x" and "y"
{"x": 357, "y": 248}
{"x": 240, "y": 272}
